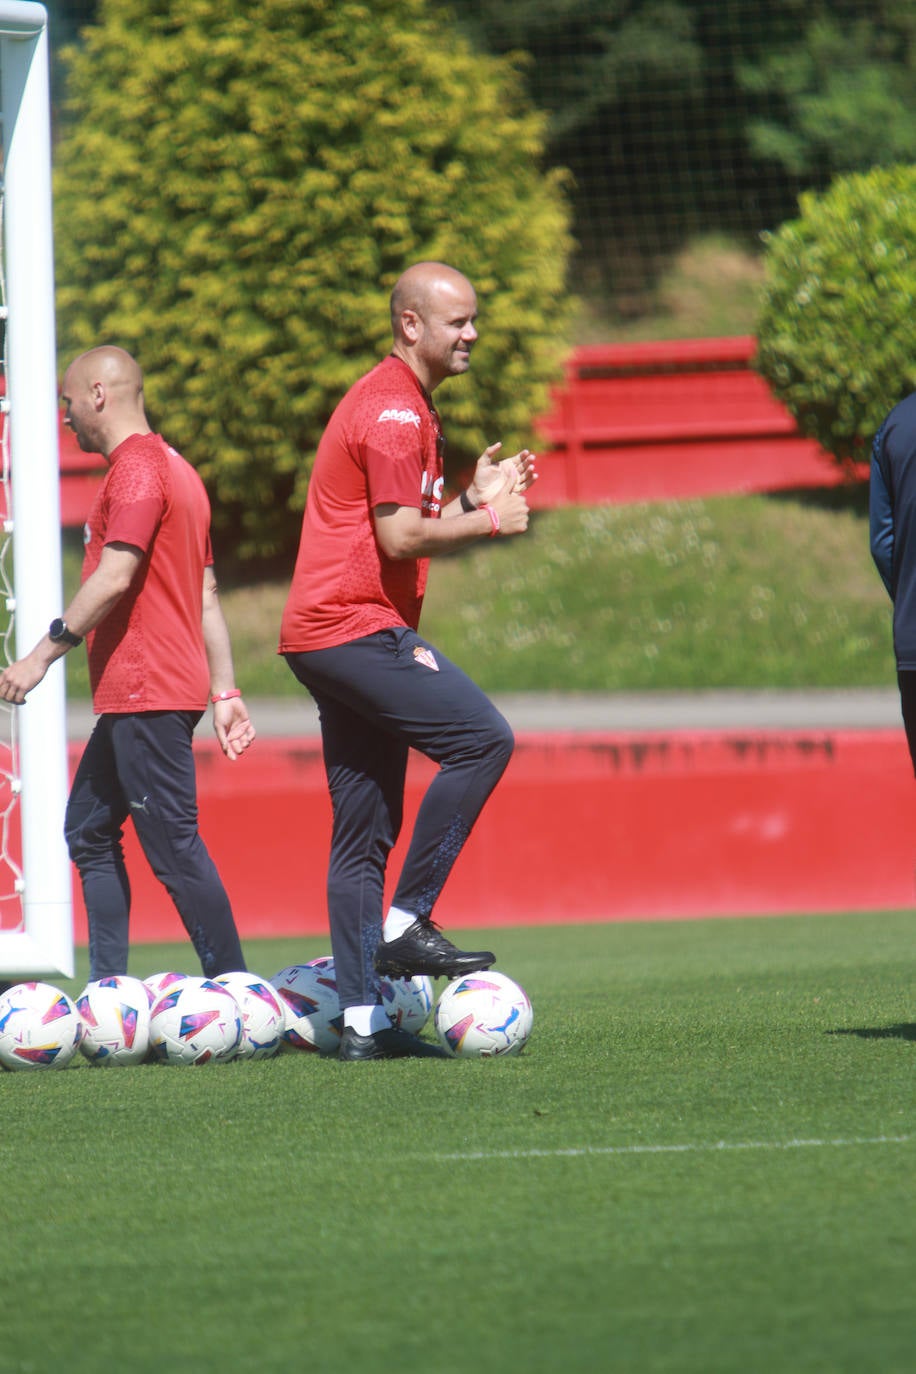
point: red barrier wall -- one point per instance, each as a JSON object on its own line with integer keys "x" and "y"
{"x": 80, "y": 475}
{"x": 585, "y": 827}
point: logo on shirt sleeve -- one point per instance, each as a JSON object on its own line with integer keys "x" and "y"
{"x": 400, "y": 417}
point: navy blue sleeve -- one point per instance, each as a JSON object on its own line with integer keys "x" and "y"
{"x": 881, "y": 518}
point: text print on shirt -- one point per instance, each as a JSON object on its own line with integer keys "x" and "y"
{"x": 431, "y": 493}
{"x": 401, "y": 417}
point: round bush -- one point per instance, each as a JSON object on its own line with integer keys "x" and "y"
{"x": 837, "y": 331}
{"x": 239, "y": 186}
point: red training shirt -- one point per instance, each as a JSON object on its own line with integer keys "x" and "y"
{"x": 381, "y": 447}
{"x": 148, "y": 653}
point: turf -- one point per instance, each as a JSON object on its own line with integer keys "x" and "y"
{"x": 702, "y": 1162}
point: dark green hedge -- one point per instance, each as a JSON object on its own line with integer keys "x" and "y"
{"x": 837, "y": 332}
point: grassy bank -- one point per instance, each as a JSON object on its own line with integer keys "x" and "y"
{"x": 741, "y": 591}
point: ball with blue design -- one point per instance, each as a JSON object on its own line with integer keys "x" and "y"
{"x": 483, "y": 1016}
{"x": 314, "y": 1021}
{"x": 40, "y": 1027}
{"x": 408, "y": 1001}
{"x": 263, "y": 1015}
{"x": 158, "y": 983}
{"x": 197, "y": 1021}
{"x": 115, "y": 1014}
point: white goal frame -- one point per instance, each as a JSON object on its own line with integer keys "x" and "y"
{"x": 43, "y": 944}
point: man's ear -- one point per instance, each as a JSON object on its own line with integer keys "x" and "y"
{"x": 410, "y": 325}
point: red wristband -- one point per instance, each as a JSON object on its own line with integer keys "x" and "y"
{"x": 494, "y": 518}
{"x": 226, "y": 696}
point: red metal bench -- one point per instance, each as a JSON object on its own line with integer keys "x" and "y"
{"x": 656, "y": 421}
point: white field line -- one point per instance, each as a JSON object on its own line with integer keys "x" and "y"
{"x": 714, "y": 1147}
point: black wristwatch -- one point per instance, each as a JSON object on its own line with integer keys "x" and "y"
{"x": 59, "y": 634}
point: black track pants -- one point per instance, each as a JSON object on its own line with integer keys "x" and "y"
{"x": 142, "y": 766}
{"x": 378, "y": 697}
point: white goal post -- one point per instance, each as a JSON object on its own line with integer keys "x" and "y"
{"x": 42, "y": 941}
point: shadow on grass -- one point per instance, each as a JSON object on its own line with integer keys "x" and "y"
{"x": 849, "y": 496}
{"x": 905, "y": 1032}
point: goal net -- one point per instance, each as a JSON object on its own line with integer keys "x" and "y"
{"x": 36, "y": 922}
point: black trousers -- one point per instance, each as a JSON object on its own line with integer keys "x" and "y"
{"x": 906, "y": 681}
{"x": 142, "y": 766}
{"x": 377, "y": 698}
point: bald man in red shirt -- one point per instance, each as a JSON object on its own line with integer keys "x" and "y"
{"x": 375, "y": 515}
{"x": 158, "y": 648}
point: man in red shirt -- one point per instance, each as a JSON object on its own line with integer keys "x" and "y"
{"x": 374, "y": 518}
{"x": 158, "y": 647}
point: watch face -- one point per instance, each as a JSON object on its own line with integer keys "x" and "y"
{"x": 58, "y": 632}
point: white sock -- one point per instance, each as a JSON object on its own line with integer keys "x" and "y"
{"x": 396, "y": 922}
{"x": 367, "y": 1020}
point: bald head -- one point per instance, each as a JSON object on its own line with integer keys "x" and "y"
{"x": 422, "y": 285}
{"x": 102, "y": 392}
{"x": 114, "y": 367}
{"x": 433, "y": 309}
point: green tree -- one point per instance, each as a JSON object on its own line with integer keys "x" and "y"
{"x": 687, "y": 117}
{"x": 840, "y": 96}
{"x": 239, "y": 186}
{"x": 620, "y": 82}
{"x": 837, "y": 332}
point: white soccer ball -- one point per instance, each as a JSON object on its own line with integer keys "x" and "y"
{"x": 408, "y": 1001}
{"x": 115, "y": 1015}
{"x": 158, "y": 983}
{"x": 40, "y": 1027}
{"x": 483, "y": 1015}
{"x": 308, "y": 992}
{"x": 263, "y": 1014}
{"x": 197, "y": 1021}
{"x": 323, "y": 961}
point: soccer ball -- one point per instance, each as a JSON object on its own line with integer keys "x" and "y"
{"x": 483, "y": 1015}
{"x": 263, "y": 1014}
{"x": 115, "y": 1015}
{"x": 322, "y": 961}
{"x": 197, "y": 1021}
{"x": 158, "y": 983}
{"x": 408, "y": 1001}
{"x": 40, "y": 1027}
{"x": 308, "y": 992}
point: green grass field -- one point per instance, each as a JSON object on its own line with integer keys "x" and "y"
{"x": 732, "y": 591}
{"x": 703, "y": 1162}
